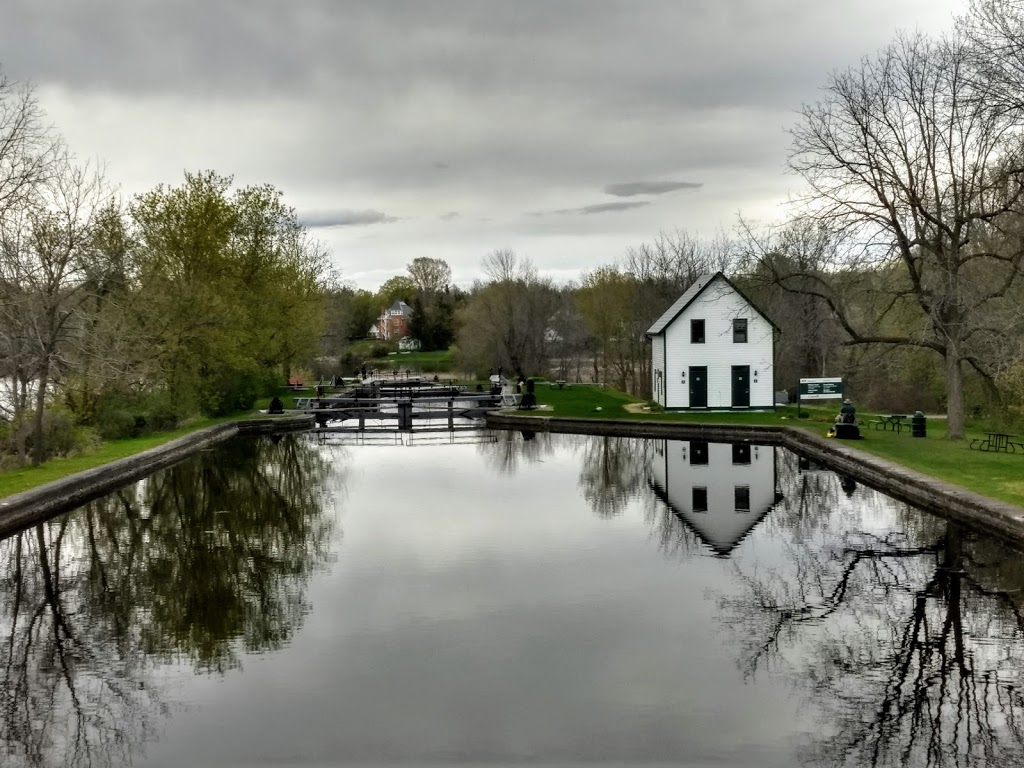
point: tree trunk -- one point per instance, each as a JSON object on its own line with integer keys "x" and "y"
{"x": 37, "y": 426}
{"x": 954, "y": 394}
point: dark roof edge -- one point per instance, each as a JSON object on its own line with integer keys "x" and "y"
{"x": 693, "y": 298}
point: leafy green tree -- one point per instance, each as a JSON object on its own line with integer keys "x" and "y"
{"x": 397, "y": 287}
{"x": 231, "y": 289}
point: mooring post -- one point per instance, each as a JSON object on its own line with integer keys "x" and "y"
{"x": 362, "y": 420}
{"x": 451, "y": 414}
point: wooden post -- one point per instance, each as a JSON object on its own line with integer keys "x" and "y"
{"x": 451, "y": 414}
{"x": 405, "y": 414}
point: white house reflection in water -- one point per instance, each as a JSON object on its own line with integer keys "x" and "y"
{"x": 720, "y": 490}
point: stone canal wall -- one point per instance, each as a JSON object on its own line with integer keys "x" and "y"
{"x": 29, "y": 507}
{"x": 997, "y": 517}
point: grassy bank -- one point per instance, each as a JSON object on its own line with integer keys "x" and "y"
{"x": 440, "y": 361}
{"x": 998, "y": 475}
{"x": 18, "y": 480}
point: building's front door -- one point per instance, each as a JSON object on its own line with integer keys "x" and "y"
{"x": 698, "y": 386}
{"x": 741, "y": 386}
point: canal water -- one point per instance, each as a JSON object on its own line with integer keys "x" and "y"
{"x": 507, "y": 598}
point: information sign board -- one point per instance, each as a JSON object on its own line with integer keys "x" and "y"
{"x": 821, "y": 389}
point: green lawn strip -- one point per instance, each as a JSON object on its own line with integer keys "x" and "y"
{"x": 997, "y": 475}
{"x": 441, "y": 360}
{"x": 19, "y": 480}
{"x": 582, "y": 401}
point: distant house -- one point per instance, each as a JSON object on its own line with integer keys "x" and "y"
{"x": 721, "y": 491}
{"x": 374, "y": 332}
{"x": 393, "y": 322}
{"x": 408, "y": 344}
{"x": 713, "y": 349}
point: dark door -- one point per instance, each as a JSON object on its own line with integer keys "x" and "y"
{"x": 698, "y": 386}
{"x": 741, "y": 386}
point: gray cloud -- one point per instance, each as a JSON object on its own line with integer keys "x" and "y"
{"x": 588, "y": 210}
{"x": 632, "y": 188}
{"x": 449, "y": 216}
{"x": 484, "y": 107}
{"x": 328, "y": 219}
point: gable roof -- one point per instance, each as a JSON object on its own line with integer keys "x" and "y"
{"x": 690, "y": 295}
{"x": 711, "y": 539}
{"x": 400, "y": 308}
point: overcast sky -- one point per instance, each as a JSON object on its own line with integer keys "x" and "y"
{"x": 567, "y": 130}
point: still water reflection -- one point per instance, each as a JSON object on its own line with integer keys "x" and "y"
{"x": 507, "y": 598}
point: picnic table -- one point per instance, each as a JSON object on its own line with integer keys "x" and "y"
{"x": 895, "y": 422}
{"x": 997, "y": 441}
{"x": 561, "y": 384}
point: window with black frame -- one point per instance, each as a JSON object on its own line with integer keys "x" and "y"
{"x": 739, "y": 330}
{"x": 740, "y": 453}
{"x": 742, "y": 495}
{"x": 696, "y": 331}
{"x": 698, "y": 452}
{"x": 700, "y": 499}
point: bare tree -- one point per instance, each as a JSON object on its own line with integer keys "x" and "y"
{"x": 46, "y": 256}
{"x": 28, "y": 148}
{"x": 996, "y": 30}
{"x": 620, "y": 302}
{"x": 430, "y": 276}
{"x": 920, "y": 183}
{"x": 506, "y": 320}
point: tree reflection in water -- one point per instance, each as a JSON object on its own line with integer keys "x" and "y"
{"x": 613, "y": 471}
{"x": 510, "y": 450}
{"x": 195, "y": 565}
{"x": 911, "y": 644}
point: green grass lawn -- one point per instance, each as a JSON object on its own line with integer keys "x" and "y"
{"x": 440, "y": 361}
{"x": 998, "y": 475}
{"x": 18, "y": 480}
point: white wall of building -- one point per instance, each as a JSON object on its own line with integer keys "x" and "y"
{"x": 658, "y": 379}
{"x": 722, "y": 526}
{"x": 718, "y": 305}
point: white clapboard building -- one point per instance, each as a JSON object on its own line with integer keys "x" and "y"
{"x": 713, "y": 349}
{"x": 720, "y": 490}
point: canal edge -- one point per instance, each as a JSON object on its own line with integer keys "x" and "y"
{"x": 20, "y": 510}
{"x": 907, "y": 485}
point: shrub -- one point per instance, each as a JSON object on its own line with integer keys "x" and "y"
{"x": 124, "y": 415}
{"x": 61, "y": 436}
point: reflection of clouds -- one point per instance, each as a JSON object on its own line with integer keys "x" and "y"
{"x": 192, "y": 565}
{"x": 898, "y": 624}
{"x": 514, "y": 449}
